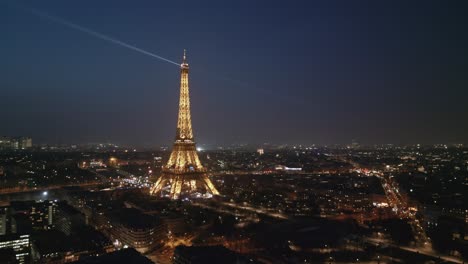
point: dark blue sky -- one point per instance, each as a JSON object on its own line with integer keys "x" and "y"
{"x": 261, "y": 71}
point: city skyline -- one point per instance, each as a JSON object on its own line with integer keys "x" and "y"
{"x": 310, "y": 73}
{"x": 239, "y": 132}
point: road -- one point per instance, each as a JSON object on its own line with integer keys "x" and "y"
{"x": 260, "y": 211}
{"x": 423, "y": 251}
{"x": 257, "y": 210}
{"x": 401, "y": 208}
{"x": 45, "y": 188}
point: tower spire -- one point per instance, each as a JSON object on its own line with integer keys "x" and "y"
{"x": 185, "y": 56}
{"x": 184, "y": 122}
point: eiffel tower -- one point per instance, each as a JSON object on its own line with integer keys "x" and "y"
{"x": 184, "y": 175}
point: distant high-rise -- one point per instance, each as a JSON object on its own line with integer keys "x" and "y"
{"x": 15, "y": 143}
{"x": 24, "y": 142}
{"x": 5, "y": 142}
{"x": 184, "y": 175}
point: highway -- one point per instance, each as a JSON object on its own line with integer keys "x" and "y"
{"x": 401, "y": 208}
{"x": 251, "y": 209}
{"x": 423, "y": 251}
{"x": 45, "y": 188}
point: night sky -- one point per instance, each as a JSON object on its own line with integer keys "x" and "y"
{"x": 308, "y": 72}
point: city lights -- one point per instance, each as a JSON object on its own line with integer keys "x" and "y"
{"x": 309, "y": 132}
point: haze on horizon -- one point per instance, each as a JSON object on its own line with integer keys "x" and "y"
{"x": 266, "y": 71}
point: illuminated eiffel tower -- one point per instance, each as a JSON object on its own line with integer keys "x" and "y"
{"x": 184, "y": 175}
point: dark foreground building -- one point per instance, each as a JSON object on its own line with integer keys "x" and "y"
{"x": 20, "y": 244}
{"x": 205, "y": 255}
{"x": 129, "y": 255}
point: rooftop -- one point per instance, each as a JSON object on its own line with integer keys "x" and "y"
{"x": 129, "y": 255}
{"x": 210, "y": 254}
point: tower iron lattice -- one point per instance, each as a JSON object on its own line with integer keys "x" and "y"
{"x": 184, "y": 175}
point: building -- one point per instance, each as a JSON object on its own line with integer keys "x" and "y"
{"x": 19, "y": 243}
{"x": 5, "y": 142}
{"x": 53, "y": 246}
{"x": 15, "y": 143}
{"x": 8, "y": 256}
{"x": 3, "y": 220}
{"x": 58, "y": 233}
{"x": 24, "y": 142}
{"x": 36, "y": 215}
{"x": 50, "y": 246}
{"x": 128, "y": 255}
{"x": 68, "y": 218}
{"x": 184, "y": 176}
{"x": 128, "y": 227}
{"x": 206, "y": 255}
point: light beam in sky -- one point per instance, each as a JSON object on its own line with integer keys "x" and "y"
{"x": 96, "y": 34}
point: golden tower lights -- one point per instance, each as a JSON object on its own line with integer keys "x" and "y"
{"x": 184, "y": 175}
